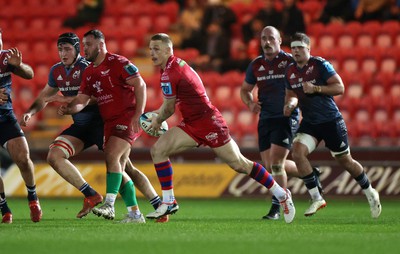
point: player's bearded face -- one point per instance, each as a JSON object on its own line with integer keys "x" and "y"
{"x": 91, "y": 47}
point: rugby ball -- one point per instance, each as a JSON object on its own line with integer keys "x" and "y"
{"x": 145, "y": 121}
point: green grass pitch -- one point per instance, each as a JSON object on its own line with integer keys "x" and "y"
{"x": 205, "y": 226}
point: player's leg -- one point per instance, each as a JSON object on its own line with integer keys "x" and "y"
{"x": 143, "y": 184}
{"x": 274, "y": 158}
{"x": 358, "y": 173}
{"x": 128, "y": 194}
{"x": 175, "y": 140}
{"x": 19, "y": 153}
{"x": 302, "y": 146}
{"x": 116, "y": 154}
{"x": 63, "y": 148}
{"x": 5, "y": 210}
{"x": 230, "y": 154}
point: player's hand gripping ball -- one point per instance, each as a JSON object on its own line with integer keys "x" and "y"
{"x": 145, "y": 121}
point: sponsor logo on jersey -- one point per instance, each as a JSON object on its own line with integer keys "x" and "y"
{"x": 76, "y": 74}
{"x": 282, "y": 64}
{"x": 131, "y": 69}
{"x": 342, "y": 144}
{"x": 292, "y": 76}
{"x": 181, "y": 62}
{"x": 97, "y": 85}
{"x": 59, "y": 77}
{"x": 105, "y": 73}
{"x": 310, "y": 70}
{"x": 212, "y": 136}
{"x": 286, "y": 141}
{"x": 166, "y": 87}
{"x": 121, "y": 127}
{"x": 261, "y": 68}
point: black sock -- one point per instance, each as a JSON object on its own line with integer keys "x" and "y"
{"x": 310, "y": 181}
{"x": 363, "y": 180}
{"x": 3, "y": 204}
{"x": 87, "y": 190}
{"x": 155, "y": 202}
{"x": 275, "y": 203}
{"x": 31, "y": 193}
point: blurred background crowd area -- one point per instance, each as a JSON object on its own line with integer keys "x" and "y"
{"x": 361, "y": 38}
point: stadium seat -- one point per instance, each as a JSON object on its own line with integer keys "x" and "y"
{"x": 129, "y": 48}
{"x": 353, "y": 27}
{"x": 384, "y": 40}
{"x": 391, "y": 27}
{"x": 311, "y": 10}
{"x": 388, "y": 65}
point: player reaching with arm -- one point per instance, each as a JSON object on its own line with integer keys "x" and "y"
{"x": 311, "y": 83}
{"x": 202, "y": 124}
{"x": 87, "y": 129}
{"x": 121, "y": 97}
{"x": 12, "y": 137}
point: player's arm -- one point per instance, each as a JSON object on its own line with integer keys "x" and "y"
{"x": 290, "y": 102}
{"x": 247, "y": 97}
{"x": 76, "y": 105}
{"x": 39, "y": 103}
{"x": 3, "y": 96}
{"x": 141, "y": 97}
{"x": 333, "y": 87}
{"x": 20, "y": 69}
{"x": 166, "y": 110}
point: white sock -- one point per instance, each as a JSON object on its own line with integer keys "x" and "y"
{"x": 278, "y": 191}
{"x": 168, "y": 196}
{"x": 314, "y": 193}
{"x": 110, "y": 198}
{"x": 368, "y": 191}
{"x": 134, "y": 213}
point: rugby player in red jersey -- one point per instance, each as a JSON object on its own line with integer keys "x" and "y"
{"x": 202, "y": 124}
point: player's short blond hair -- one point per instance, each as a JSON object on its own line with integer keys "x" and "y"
{"x": 164, "y": 38}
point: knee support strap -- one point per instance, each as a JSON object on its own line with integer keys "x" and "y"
{"x": 64, "y": 145}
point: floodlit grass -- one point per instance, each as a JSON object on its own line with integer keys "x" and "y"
{"x": 205, "y": 226}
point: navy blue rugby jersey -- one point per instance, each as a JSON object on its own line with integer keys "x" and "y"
{"x": 269, "y": 76}
{"x": 315, "y": 108}
{"x": 68, "y": 81}
{"x": 6, "y": 110}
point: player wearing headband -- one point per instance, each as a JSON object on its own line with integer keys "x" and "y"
{"x": 311, "y": 84}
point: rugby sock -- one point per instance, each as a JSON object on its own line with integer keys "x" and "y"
{"x": 3, "y": 204}
{"x": 31, "y": 192}
{"x": 155, "y": 202}
{"x": 113, "y": 185}
{"x": 275, "y": 203}
{"x": 261, "y": 175}
{"x": 311, "y": 183}
{"x": 113, "y": 182}
{"x": 164, "y": 173}
{"x": 128, "y": 194}
{"x": 87, "y": 190}
{"x": 363, "y": 181}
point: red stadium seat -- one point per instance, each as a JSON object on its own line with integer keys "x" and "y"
{"x": 311, "y": 10}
